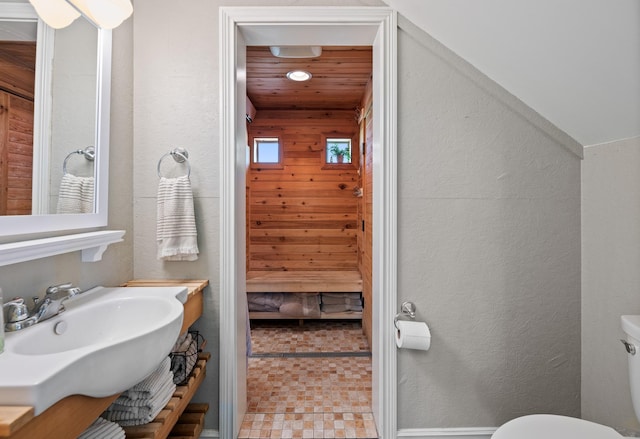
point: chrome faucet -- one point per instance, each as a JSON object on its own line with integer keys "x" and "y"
{"x": 53, "y": 302}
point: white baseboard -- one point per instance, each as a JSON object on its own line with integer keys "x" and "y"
{"x": 416, "y": 433}
{"x": 447, "y": 433}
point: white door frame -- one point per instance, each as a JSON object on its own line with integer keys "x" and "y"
{"x": 241, "y": 26}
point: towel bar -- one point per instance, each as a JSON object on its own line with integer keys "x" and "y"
{"x": 180, "y": 155}
{"x": 89, "y": 153}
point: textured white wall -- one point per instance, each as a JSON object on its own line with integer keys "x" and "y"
{"x": 73, "y": 100}
{"x": 489, "y": 249}
{"x": 610, "y": 277}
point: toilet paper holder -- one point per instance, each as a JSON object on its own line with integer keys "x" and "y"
{"x": 407, "y": 309}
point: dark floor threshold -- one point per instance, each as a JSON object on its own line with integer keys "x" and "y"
{"x": 310, "y": 354}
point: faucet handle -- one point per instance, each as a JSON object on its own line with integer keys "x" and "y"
{"x": 53, "y": 289}
{"x": 17, "y": 310}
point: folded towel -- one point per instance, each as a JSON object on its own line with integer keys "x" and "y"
{"x": 301, "y": 305}
{"x": 151, "y": 384}
{"x": 340, "y": 300}
{"x": 184, "y": 360}
{"x": 141, "y": 414}
{"x": 184, "y": 346}
{"x": 176, "y": 225}
{"x": 341, "y": 308}
{"x": 181, "y": 338}
{"x": 103, "y": 429}
{"x": 142, "y": 406}
{"x": 76, "y": 194}
{"x": 343, "y": 295}
{"x": 142, "y": 411}
{"x": 266, "y": 302}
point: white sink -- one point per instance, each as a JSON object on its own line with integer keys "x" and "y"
{"x": 106, "y": 341}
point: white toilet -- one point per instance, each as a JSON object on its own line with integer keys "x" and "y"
{"x": 564, "y": 427}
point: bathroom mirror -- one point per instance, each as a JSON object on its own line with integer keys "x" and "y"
{"x": 71, "y": 113}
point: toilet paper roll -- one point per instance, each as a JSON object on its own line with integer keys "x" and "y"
{"x": 413, "y": 335}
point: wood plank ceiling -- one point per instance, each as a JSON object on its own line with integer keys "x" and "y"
{"x": 340, "y": 75}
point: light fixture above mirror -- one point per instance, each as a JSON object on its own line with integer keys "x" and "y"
{"x": 105, "y": 14}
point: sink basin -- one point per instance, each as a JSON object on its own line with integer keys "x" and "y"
{"x": 106, "y": 341}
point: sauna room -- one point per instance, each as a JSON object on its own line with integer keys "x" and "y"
{"x": 308, "y": 225}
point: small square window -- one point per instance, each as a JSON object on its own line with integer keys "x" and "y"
{"x": 338, "y": 151}
{"x": 266, "y": 150}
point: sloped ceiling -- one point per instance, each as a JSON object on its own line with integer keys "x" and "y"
{"x": 576, "y": 62}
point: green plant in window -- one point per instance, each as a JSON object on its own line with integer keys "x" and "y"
{"x": 340, "y": 153}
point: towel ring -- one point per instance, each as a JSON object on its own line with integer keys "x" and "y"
{"x": 89, "y": 153}
{"x": 180, "y": 155}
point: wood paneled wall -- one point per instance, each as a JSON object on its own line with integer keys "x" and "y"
{"x": 17, "y": 79}
{"x": 304, "y": 215}
{"x": 16, "y": 154}
{"x": 366, "y": 209}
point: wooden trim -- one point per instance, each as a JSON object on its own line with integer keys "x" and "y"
{"x": 67, "y": 418}
{"x": 14, "y": 418}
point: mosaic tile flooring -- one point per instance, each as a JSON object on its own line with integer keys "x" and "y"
{"x": 318, "y": 386}
{"x": 313, "y": 336}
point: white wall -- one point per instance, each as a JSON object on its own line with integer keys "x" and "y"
{"x": 73, "y": 100}
{"x": 576, "y": 62}
{"x": 610, "y": 277}
{"x": 489, "y": 248}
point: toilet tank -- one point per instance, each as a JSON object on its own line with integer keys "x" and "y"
{"x": 631, "y": 327}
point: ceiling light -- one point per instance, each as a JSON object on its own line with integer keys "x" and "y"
{"x": 105, "y": 14}
{"x": 296, "y": 51}
{"x": 299, "y": 75}
{"x": 56, "y": 13}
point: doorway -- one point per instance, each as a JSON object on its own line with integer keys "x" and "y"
{"x": 306, "y": 26}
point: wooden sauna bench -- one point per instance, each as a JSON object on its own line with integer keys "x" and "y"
{"x": 301, "y": 282}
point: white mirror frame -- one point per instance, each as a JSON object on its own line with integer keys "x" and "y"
{"x": 28, "y": 224}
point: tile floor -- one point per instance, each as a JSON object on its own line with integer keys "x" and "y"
{"x": 288, "y": 336}
{"x": 309, "y": 381}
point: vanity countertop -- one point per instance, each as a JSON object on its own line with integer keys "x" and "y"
{"x": 15, "y": 418}
{"x": 194, "y": 306}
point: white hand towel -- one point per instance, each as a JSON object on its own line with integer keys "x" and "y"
{"x": 76, "y": 194}
{"x": 176, "y": 229}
